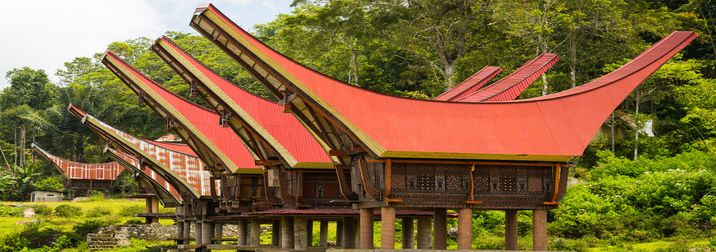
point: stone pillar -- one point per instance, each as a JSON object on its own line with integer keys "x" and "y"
{"x": 241, "y": 232}
{"x": 366, "y": 228}
{"x": 301, "y": 233}
{"x": 440, "y": 228}
{"x": 219, "y": 232}
{"x": 464, "y": 229}
{"x": 255, "y": 233}
{"x": 339, "y": 233}
{"x": 425, "y": 233}
{"x": 323, "y": 241}
{"x": 275, "y": 233}
{"x": 287, "y": 232}
{"x": 387, "y": 228}
{"x": 510, "y": 229}
{"x": 207, "y": 232}
{"x": 248, "y": 232}
{"x": 309, "y": 231}
{"x": 356, "y": 233}
{"x": 348, "y": 239}
{"x": 539, "y": 229}
{"x": 197, "y": 233}
{"x": 180, "y": 224}
{"x": 408, "y": 234}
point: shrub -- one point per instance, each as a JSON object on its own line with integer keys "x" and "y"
{"x": 66, "y": 210}
{"x": 97, "y": 212}
{"x": 89, "y": 226}
{"x": 42, "y": 210}
{"x": 128, "y": 211}
{"x": 52, "y": 183}
{"x": 9, "y": 211}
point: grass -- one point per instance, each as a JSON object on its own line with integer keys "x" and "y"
{"x": 94, "y": 209}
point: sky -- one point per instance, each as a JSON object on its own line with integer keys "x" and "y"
{"x": 44, "y": 34}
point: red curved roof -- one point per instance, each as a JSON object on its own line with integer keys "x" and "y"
{"x": 177, "y": 157}
{"x": 283, "y": 127}
{"x": 550, "y": 128}
{"x": 78, "y": 170}
{"x": 469, "y": 85}
{"x": 208, "y": 131}
{"x": 510, "y": 87}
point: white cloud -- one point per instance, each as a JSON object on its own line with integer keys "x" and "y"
{"x": 43, "y": 34}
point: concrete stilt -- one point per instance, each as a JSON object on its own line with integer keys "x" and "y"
{"x": 300, "y": 241}
{"x": 276, "y": 233}
{"x": 241, "y": 232}
{"x": 539, "y": 229}
{"x": 510, "y": 229}
{"x": 255, "y": 233}
{"x": 408, "y": 234}
{"x": 197, "y": 233}
{"x": 218, "y": 232}
{"x": 387, "y": 228}
{"x": 356, "y": 233}
{"x": 187, "y": 231}
{"x": 440, "y": 228}
{"x": 366, "y": 228}
{"x": 323, "y": 241}
{"x": 309, "y": 231}
{"x": 348, "y": 233}
{"x": 464, "y": 229}
{"x": 287, "y": 232}
{"x": 248, "y": 232}
{"x": 425, "y": 233}
{"x": 207, "y": 232}
{"x": 339, "y": 233}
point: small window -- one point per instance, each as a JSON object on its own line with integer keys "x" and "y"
{"x": 50, "y": 195}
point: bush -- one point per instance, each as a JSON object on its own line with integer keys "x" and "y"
{"x": 98, "y": 212}
{"x": 66, "y": 210}
{"x": 128, "y": 211}
{"x": 52, "y": 183}
{"x": 43, "y": 210}
{"x": 9, "y": 211}
{"x": 93, "y": 225}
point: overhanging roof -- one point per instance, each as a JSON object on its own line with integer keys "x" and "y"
{"x": 184, "y": 171}
{"x": 555, "y": 127}
{"x": 78, "y": 170}
{"x": 469, "y": 85}
{"x": 510, "y": 87}
{"x": 218, "y": 147}
{"x": 260, "y": 123}
{"x": 165, "y": 192}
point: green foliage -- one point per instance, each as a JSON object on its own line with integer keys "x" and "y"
{"x": 50, "y": 183}
{"x": 90, "y": 226}
{"x": 43, "y": 210}
{"x": 66, "y": 210}
{"x": 10, "y": 211}
{"x": 128, "y": 211}
{"x": 98, "y": 212}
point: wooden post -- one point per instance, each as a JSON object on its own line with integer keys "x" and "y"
{"x": 323, "y": 242}
{"x": 440, "y": 228}
{"x": 219, "y": 232}
{"x": 241, "y": 232}
{"x": 511, "y": 230}
{"x": 348, "y": 233}
{"x": 408, "y": 234}
{"x": 255, "y": 233}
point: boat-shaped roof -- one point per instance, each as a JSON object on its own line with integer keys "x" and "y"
{"x": 554, "y": 128}
{"x": 280, "y": 131}
{"x": 217, "y": 146}
{"x": 79, "y": 170}
{"x": 469, "y": 85}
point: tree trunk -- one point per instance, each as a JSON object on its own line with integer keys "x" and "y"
{"x": 636, "y": 127}
{"x": 14, "y": 147}
{"x": 545, "y": 86}
{"x": 32, "y": 153}
{"x": 612, "y": 132}
{"x": 449, "y": 76}
{"x": 22, "y": 144}
{"x": 354, "y": 63}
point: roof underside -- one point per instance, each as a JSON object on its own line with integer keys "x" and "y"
{"x": 556, "y": 127}
{"x": 166, "y": 193}
{"x": 77, "y": 170}
{"x": 183, "y": 170}
{"x": 281, "y": 130}
{"x": 196, "y": 125}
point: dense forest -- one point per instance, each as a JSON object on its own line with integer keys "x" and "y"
{"x": 653, "y": 178}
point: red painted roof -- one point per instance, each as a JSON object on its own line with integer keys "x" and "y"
{"x": 550, "y": 128}
{"x": 510, "y": 87}
{"x": 284, "y": 127}
{"x": 77, "y": 170}
{"x": 206, "y": 121}
{"x": 469, "y": 85}
{"x": 177, "y": 157}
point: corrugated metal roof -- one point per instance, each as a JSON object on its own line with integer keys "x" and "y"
{"x": 550, "y": 128}
{"x": 203, "y": 125}
{"x": 132, "y": 163}
{"x": 78, "y": 170}
{"x": 469, "y": 85}
{"x": 177, "y": 157}
{"x": 510, "y": 87}
{"x": 283, "y": 127}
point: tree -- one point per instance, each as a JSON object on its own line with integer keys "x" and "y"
{"x": 27, "y": 86}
